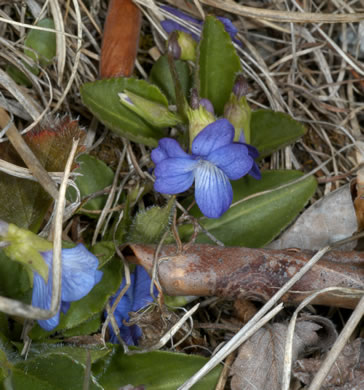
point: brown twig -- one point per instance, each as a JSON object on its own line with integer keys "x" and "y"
{"x": 206, "y": 270}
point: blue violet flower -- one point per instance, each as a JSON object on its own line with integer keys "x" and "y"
{"x": 79, "y": 276}
{"x": 214, "y": 160}
{"x": 170, "y": 25}
{"x": 136, "y": 297}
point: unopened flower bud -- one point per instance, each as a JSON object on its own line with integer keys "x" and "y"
{"x": 240, "y": 87}
{"x": 173, "y": 46}
{"x": 237, "y": 110}
{"x": 200, "y": 117}
{"x": 208, "y": 105}
{"x": 182, "y": 46}
{"x": 25, "y": 247}
{"x": 156, "y": 114}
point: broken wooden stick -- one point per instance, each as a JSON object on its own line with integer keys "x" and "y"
{"x": 257, "y": 274}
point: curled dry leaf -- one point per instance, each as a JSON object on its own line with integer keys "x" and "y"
{"x": 207, "y": 270}
{"x": 346, "y": 374}
{"x": 330, "y": 219}
{"x": 259, "y": 363}
{"x": 120, "y": 40}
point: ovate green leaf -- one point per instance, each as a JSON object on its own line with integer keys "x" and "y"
{"x": 156, "y": 370}
{"x": 102, "y": 99}
{"x": 218, "y": 64}
{"x": 42, "y": 43}
{"x": 272, "y": 130}
{"x": 52, "y": 371}
{"x": 255, "y": 222}
{"x": 96, "y": 175}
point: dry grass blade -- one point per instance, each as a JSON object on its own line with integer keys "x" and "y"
{"x": 14, "y": 23}
{"x": 24, "y": 173}
{"x": 26, "y": 101}
{"x": 75, "y": 67}
{"x": 110, "y": 198}
{"x": 283, "y": 16}
{"x": 57, "y": 232}
{"x": 61, "y": 39}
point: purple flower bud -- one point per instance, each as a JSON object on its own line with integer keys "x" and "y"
{"x": 173, "y": 46}
{"x": 182, "y": 46}
{"x": 194, "y": 99}
{"x": 240, "y": 87}
{"x": 196, "y": 102}
{"x": 208, "y": 105}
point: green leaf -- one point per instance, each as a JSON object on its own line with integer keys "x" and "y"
{"x": 14, "y": 280}
{"x": 93, "y": 303}
{"x": 52, "y": 371}
{"x": 104, "y": 251}
{"x": 42, "y": 43}
{"x": 18, "y": 76}
{"x": 157, "y": 371}
{"x": 27, "y": 205}
{"x": 255, "y": 222}
{"x": 96, "y": 175}
{"x": 218, "y": 64}
{"x": 102, "y": 99}
{"x": 149, "y": 225}
{"x": 272, "y": 130}
{"x": 90, "y": 326}
{"x": 161, "y": 76}
{"x": 78, "y": 353}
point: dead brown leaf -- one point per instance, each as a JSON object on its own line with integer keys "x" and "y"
{"x": 259, "y": 363}
{"x": 346, "y": 374}
{"x": 330, "y": 219}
